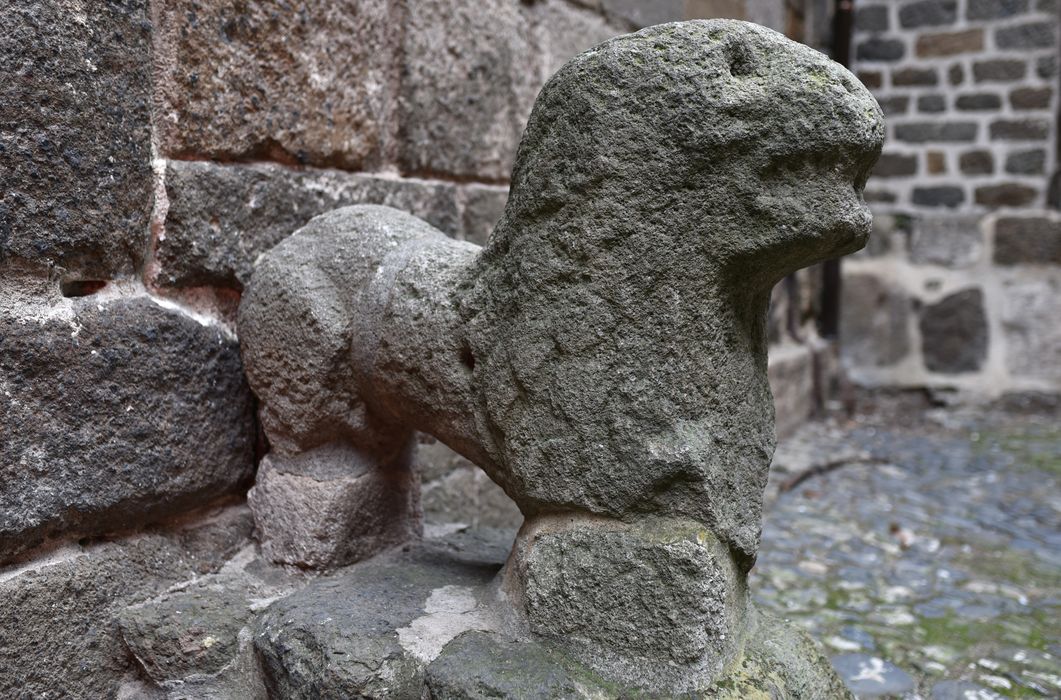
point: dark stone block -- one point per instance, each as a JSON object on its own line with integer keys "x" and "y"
{"x": 1020, "y": 130}
{"x": 878, "y": 196}
{"x": 982, "y": 101}
{"x": 995, "y": 9}
{"x": 75, "y": 140}
{"x": 872, "y": 18}
{"x": 895, "y": 165}
{"x": 1034, "y": 35}
{"x": 999, "y": 70}
{"x": 873, "y": 321}
{"x": 58, "y": 638}
{"x": 914, "y": 77}
{"x": 920, "y": 132}
{"x": 896, "y": 104}
{"x": 976, "y": 163}
{"x": 1008, "y": 194}
{"x": 935, "y": 162}
{"x": 931, "y": 103}
{"x": 221, "y": 217}
{"x": 954, "y": 333}
{"x": 939, "y": 196}
{"x": 451, "y": 87}
{"x": 956, "y": 74}
{"x": 1031, "y": 162}
{"x": 928, "y": 13}
{"x": 880, "y": 50}
{"x": 1046, "y": 67}
{"x": 306, "y": 84}
{"x": 950, "y": 43}
{"x": 1027, "y": 240}
{"x": 871, "y": 79}
{"x": 139, "y": 413}
{"x": 1031, "y": 98}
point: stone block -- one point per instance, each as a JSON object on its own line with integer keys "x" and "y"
{"x": 879, "y": 196}
{"x": 1033, "y": 35}
{"x": 872, "y": 18}
{"x": 928, "y": 13}
{"x": 221, "y": 217}
{"x": 949, "y": 43}
{"x": 895, "y": 165}
{"x": 894, "y": 105}
{"x": 1027, "y": 241}
{"x": 931, "y": 103}
{"x": 59, "y": 640}
{"x": 1030, "y": 162}
{"x": 873, "y": 322}
{"x": 1008, "y": 194}
{"x": 870, "y": 78}
{"x": 877, "y": 49}
{"x": 914, "y": 77}
{"x": 481, "y": 208}
{"x": 456, "y": 491}
{"x": 935, "y": 162}
{"x": 920, "y": 132}
{"x": 1046, "y": 67}
{"x": 263, "y": 81}
{"x": 463, "y": 104}
{"x": 369, "y": 631}
{"x": 639, "y": 14}
{"x": 791, "y": 372}
{"x": 1031, "y": 98}
{"x": 1031, "y": 306}
{"x": 1020, "y": 129}
{"x": 938, "y": 196}
{"x": 584, "y": 585}
{"x": 999, "y": 70}
{"x": 948, "y": 241}
{"x": 127, "y": 412}
{"x": 563, "y": 32}
{"x": 956, "y": 74}
{"x": 995, "y": 9}
{"x": 981, "y": 101}
{"x": 954, "y": 333}
{"x": 330, "y": 506}
{"x": 976, "y": 163}
{"x": 75, "y": 186}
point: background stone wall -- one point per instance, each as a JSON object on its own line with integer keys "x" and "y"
{"x": 959, "y": 288}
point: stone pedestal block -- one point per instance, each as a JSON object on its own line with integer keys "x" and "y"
{"x": 332, "y": 506}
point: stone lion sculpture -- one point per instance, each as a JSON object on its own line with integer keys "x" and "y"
{"x": 602, "y": 358}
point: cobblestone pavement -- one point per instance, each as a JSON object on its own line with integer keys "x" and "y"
{"x": 923, "y": 551}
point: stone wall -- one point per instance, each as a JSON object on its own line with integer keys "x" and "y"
{"x": 959, "y": 287}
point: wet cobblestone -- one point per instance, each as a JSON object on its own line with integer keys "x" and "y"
{"x": 928, "y": 551}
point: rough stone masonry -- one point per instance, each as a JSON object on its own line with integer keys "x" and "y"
{"x": 602, "y": 358}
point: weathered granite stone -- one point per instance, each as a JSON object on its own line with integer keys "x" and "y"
{"x": 463, "y": 103}
{"x": 1028, "y": 240}
{"x": 58, "y": 639}
{"x": 330, "y": 506}
{"x": 370, "y": 631}
{"x": 954, "y": 333}
{"x": 949, "y": 241}
{"x": 481, "y": 666}
{"x": 873, "y": 322}
{"x": 1031, "y": 306}
{"x": 591, "y": 587}
{"x": 194, "y": 640}
{"x": 456, "y": 491}
{"x": 126, "y": 412}
{"x": 221, "y": 217}
{"x": 564, "y": 31}
{"x": 603, "y": 358}
{"x": 481, "y": 209}
{"x": 263, "y": 80}
{"x": 75, "y": 134}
